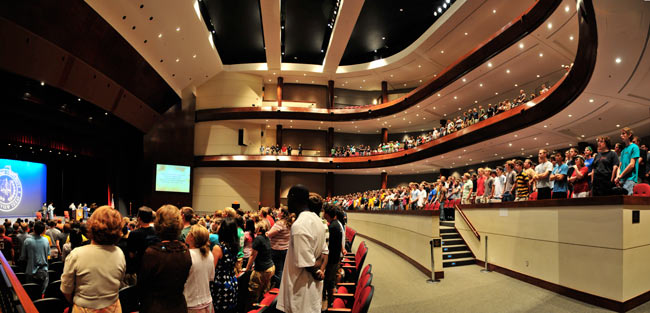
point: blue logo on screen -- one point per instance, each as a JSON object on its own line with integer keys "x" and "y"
{"x": 11, "y": 190}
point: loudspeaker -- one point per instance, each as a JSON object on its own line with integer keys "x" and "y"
{"x": 240, "y": 138}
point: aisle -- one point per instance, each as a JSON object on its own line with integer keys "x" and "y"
{"x": 399, "y": 287}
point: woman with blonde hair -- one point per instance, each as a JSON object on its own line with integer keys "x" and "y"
{"x": 197, "y": 287}
{"x": 165, "y": 266}
{"x": 92, "y": 273}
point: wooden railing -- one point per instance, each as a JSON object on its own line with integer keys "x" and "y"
{"x": 467, "y": 221}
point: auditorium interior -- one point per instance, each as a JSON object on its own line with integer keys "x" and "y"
{"x": 212, "y": 104}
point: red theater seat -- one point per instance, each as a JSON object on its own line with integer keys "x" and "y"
{"x": 533, "y": 196}
{"x": 361, "y": 303}
{"x": 641, "y": 190}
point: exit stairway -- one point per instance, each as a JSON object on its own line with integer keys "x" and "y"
{"x": 454, "y": 250}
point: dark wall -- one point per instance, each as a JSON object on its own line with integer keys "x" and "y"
{"x": 306, "y": 93}
{"x": 344, "y": 139}
{"x": 310, "y": 139}
{"x": 400, "y": 136}
{"x": 346, "y": 184}
{"x": 170, "y": 141}
{"x": 403, "y": 180}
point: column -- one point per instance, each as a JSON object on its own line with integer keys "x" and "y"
{"x": 384, "y": 92}
{"x": 280, "y": 87}
{"x": 278, "y": 182}
{"x": 384, "y": 135}
{"x": 278, "y": 134}
{"x": 330, "y": 141}
{"x": 384, "y": 180}
{"x": 330, "y": 94}
{"x": 329, "y": 184}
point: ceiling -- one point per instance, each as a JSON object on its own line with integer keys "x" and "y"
{"x": 618, "y": 89}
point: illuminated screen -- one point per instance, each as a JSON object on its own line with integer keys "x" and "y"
{"x": 172, "y": 178}
{"x": 23, "y": 188}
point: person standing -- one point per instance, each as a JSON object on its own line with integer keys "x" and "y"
{"x": 579, "y": 178}
{"x": 6, "y": 245}
{"x": 488, "y": 185}
{"x": 225, "y": 287}
{"x": 559, "y": 177}
{"x": 508, "y": 191}
{"x": 521, "y": 182}
{"x": 299, "y": 149}
{"x": 605, "y": 168}
{"x": 628, "y": 168}
{"x": 139, "y": 240}
{"x": 188, "y": 214}
{"x": 279, "y": 236}
{"x": 335, "y": 246}
{"x": 301, "y": 288}
{"x": 35, "y": 251}
{"x": 468, "y": 184}
{"x": 50, "y": 211}
{"x": 92, "y": 273}
{"x": 197, "y": 287}
{"x": 542, "y": 173}
{"x": 289, "y": 150}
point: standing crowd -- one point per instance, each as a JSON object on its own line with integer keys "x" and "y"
{"x": 178, "y": 261}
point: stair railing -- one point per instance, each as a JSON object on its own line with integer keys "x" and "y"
{"x": 471, "y": 226}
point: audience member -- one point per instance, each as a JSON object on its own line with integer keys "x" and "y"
{"x": 521, "y": 182}
{"x": 559, "y": 177}
{"x": 336, "y": 245}
{"x": 6, "y": 245}
{"x": 92, "y": 274}
{"x": 579, "y": 178}
{"x": 139, "y": 240}
{"x": 260, "y": 280}
{"x": 628, "y": 168}
{"x": 36, "y": 250}
{"x": 187, "y": 214}
{"x": 165, "y": 266}
{"x": 197, "y": 287}
{"x": 605, "y": 168}
{"x": 542, "y": 174}
{"x": 279, "y": 236}
{"x": 225, "y": 286}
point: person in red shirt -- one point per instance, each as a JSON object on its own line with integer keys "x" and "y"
{"x": 265, "y": 214}
{"x": 579, "y": 178}
{"x": 480, "y": 188}
{"x": 6, "y": 245}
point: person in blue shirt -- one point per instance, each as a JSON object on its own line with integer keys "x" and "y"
{"x": 558, "y": 176}
{"x": 432, "y": 195}
{"x": 629, "y": 162}
{"x": 34, "y": 252}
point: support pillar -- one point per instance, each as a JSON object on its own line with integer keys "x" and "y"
{"x": 330, "y": 94}
{"x": 330, "y": 141}
{"x": 329, "y": 184}
{"x": 384, "y": 92}
{"x": 384, "y": 180}
{"x": 280, "y": 87}
{"x": 384, "y": 135}
{"x": 278, "y": 183}
{"x": 278, "y": 134}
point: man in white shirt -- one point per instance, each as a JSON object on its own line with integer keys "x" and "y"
{"x": 50, "y": 211}
{"x": 542, "y": 173}
{"x": 301, "y": 287}
{"x": 499, "y": 184}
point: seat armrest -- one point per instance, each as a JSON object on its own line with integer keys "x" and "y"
{"x": 349, "y": 266}
{"x": 346, "y": 284}
{"x": 343, "y": 295}
{"x": 339, "y": 310}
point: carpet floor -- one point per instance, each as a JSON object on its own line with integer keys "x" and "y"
{"x": 400, "y": 287}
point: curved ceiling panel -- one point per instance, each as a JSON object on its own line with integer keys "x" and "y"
{"x": 307, "y": 28}
{"x": 236, "y": 28}
{"x": 504, "y": 38}
{"x": 560, "y": 96}
{"x": 387, "y": 27}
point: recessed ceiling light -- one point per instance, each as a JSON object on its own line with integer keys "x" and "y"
{"x": 306, "y": 75}
{"x": 516, "y": 85}
{"x": 496, "y": 93}
{"x": 442, "y": 51}
{"x": 541, "y": 54}
{"x": 455, "y": 97}
{"x": 464, "y": 80}
{"x": 194, "y": 56}
{"x": 510, "y": 145}
{"x": 591, "y": 100}
{"x": 404, "y": 84}
{"x": 618, "y": 60}
{"x": 545, "y": 126}
{"x": 438, "y": 95}
{"x": 401, "y": 10}
{"x": 159, "y": 35}
{"x": 494, "y": 11}
{"x": 480, "y": 85}
{"x": 508, "y": 71}
{"x": 618, "y": 125}
{"x": 178, "y": 29}
{"x": 383, "y": 38}
{"x": 549, "y": 25}
{"x": 571, "y": 37}
{"x": 465, "y": 34}
{"x": 391, "y": 75}
{"x": 419, "y": 66}
{"x": 567, "y": 9}
{"x": 570, "y": 115}
{"x": 420, "y": 80}
{"x": 177, "y": 59}
{"x": 489, "y": 64}
{"x": 521, "y": 45}
{"x": 42, "y": 83}
{"x": 537, "y": 75}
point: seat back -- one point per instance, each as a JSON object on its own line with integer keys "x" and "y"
{"x": 362, "y": 303}
{"x": 641, "y": 190}
{"x": 129, "y": 299}
{"x": 364, "y": 281}
{"x": 533, "y": 196}
{"x": 50, "y": 305}
{"x": 21, "y": 277}
{"x": 57, "y": 267}
{"x": 53, "y": 290}
{"x": 34, "y": 291}
{"x": 366, "y": 270}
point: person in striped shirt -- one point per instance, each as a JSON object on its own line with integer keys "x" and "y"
{"x": 521, "y": 182}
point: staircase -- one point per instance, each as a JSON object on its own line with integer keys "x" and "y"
{"x": 454, "y": 250}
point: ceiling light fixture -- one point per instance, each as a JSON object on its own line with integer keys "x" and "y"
{"x": 507, "y": 71}
{"x": 618, "y": 60}
{"x": 178, "y": 29}
{"x": 571, "y": 37}
{"x": 489, "y": 64}
{"x": 541, "y": 54}
{"x": 591, "y": 100}
{"x": 521, "y": 45}
{"x": 549, "y": 25}
{"x": 159, "y": 35}
{"x": 494, "y": 11}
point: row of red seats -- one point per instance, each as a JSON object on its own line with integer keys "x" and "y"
{"x": 436, "y": 205}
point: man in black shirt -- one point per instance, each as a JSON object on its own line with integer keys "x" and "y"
{"x": 604, "y": 166}
{"x": 139, "y": 240}
{"x": 335, "y": 246}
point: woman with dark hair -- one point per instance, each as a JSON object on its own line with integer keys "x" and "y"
{"x": 92, "y": 274}
{"x": 165, "y": 266}
{"x": 279, "y": 236}
{"x": 264, "y": 269}
{"x": 224, "y": 288}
